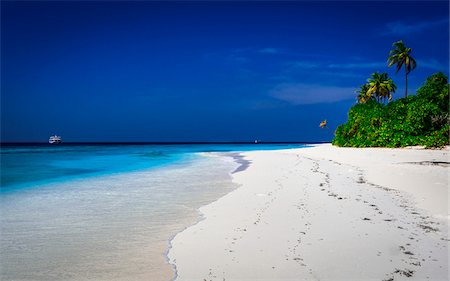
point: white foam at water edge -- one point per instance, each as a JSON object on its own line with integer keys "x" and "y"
{"x": 112, "y": 227}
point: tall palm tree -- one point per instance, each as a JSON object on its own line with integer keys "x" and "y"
{"x": 400, "y": 56}
{"x": 380, "y": 86}
{"x": 362, "y": 94}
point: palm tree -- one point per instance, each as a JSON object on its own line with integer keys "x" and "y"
{"x": 400, "y": 56}
{"x": 380, "y": 86}
{"x": 362, "y": 94}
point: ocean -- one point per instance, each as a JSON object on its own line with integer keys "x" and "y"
{"x": 106, "y": 211}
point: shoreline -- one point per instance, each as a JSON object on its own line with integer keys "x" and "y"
{"x": 239, "y": 159}
{"x": 218, "y": 241}
{"x": 113, "y": 227}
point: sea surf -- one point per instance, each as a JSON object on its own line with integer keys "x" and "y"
{"x": 105, "y": 212}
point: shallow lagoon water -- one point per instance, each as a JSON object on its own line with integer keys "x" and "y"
{"x": 113, "y": 223}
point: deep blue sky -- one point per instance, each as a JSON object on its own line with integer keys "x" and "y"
{"x": 202, "y": 71}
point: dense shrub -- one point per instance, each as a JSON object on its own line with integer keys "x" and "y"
{"x": 422, "y": 119}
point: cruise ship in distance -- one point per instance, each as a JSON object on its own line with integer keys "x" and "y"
{"x": 54, "y": 139}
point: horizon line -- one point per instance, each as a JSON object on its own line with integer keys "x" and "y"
{"x": 163, "y": 143}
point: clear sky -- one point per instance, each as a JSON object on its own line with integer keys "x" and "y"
{"x": 202, "y": 71}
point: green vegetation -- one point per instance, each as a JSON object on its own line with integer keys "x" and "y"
{"x": 380, "y": 86}
{"x": 422, "y": 119}
{"x": 401, "y": 56}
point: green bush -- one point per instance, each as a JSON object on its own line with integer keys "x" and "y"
{"x": 422, "y": 119}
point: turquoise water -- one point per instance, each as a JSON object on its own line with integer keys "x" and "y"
{"x": 104, "y": 212}
{"x": 25, "y": 166}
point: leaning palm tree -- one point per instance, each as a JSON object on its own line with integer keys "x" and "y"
{"x": 362, "y": 96}
{"x": 380, "y": 86}
{"x": 400, "y": 56}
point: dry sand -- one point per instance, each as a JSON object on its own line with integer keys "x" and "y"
{"x": 325, "y": 213}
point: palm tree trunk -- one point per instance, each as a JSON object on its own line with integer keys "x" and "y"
{"x": 406, "y": 79}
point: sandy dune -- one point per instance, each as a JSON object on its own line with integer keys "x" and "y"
{"x": 325, "y": 213}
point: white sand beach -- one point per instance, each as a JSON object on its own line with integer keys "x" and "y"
{"x": 325, "y": 213}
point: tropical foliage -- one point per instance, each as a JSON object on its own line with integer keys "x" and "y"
{"x": 362, "y": 96}
{"x": 421, "y": 119}
{"x": 380, "y": 86}
{"x": 401, "y": 56}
